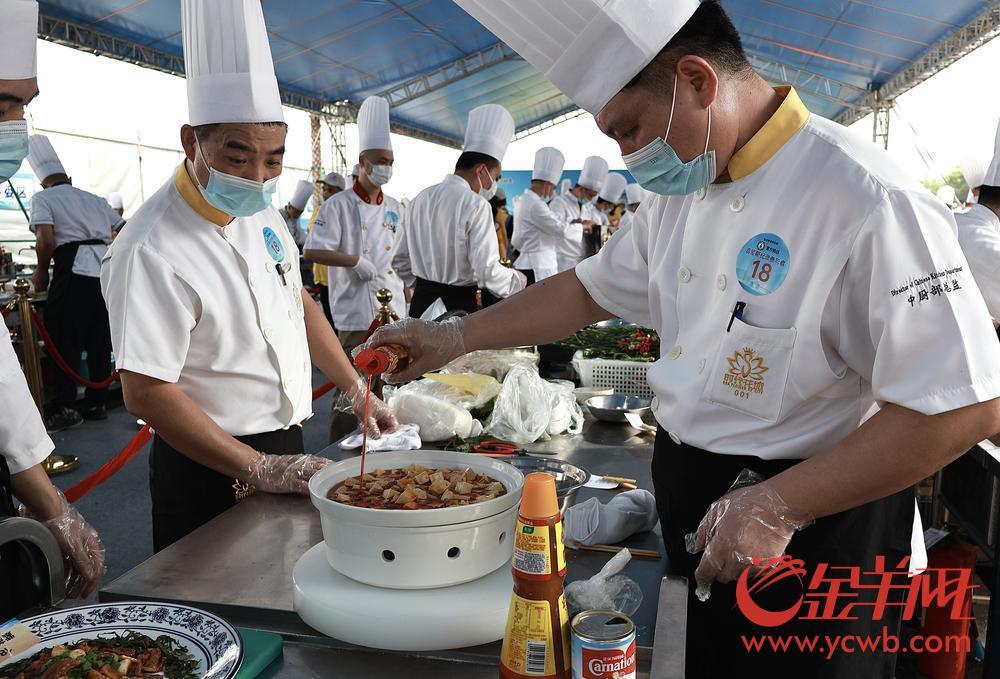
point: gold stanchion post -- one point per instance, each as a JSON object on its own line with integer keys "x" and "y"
{"x": 53, "y": 464}
{"x": 384, "y": 315}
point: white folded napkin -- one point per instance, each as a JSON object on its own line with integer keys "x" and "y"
{"x": 593, "y": 523}
{"x": 407, "y": 437}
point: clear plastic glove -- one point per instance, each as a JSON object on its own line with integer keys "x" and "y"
{"x": 284, "y": 473}
{"x": 607, "y": 590}
{"x": 364, "y": 270}
{"x": 746, "y": 523}
{"x": 81, "y": 548}
{"x": 381, "y": 419}
{"x": 429, "y": 345}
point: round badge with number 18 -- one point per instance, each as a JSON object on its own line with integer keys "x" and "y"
{"x": 762, "y": 264}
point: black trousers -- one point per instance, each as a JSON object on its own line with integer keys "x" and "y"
{"x": 187, "y": 495}
{"x": 687, "y": 480}
{"x": 455, "y": 297}
{"x": 529, "y": 274}
{"x": 77, "y": 320}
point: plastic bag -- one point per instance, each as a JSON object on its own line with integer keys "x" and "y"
{"x": 523, "y": 409}
{"x": 438, "y": 420}
{"x": 467, "y": 390}
{"x": 494, "y": 362}
{"x": 567, "y": 416}
{"x": 606, "y": 591}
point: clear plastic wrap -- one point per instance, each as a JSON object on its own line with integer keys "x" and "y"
{"x": 523, "y": 410}
{"x": 495, "y": 362}
{"x": 567, "y": 416}
{"x": 437, "y": 419}
{"x": 606, "y": 591}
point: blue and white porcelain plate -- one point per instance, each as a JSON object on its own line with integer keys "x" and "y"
{"x": 212, "y": 641}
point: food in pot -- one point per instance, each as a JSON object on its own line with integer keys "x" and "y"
{"x": 417, "y": 487}
{"x": 108, "y": 657}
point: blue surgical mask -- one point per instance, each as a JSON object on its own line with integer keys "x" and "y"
{"x": 487, "y": 193}
{"x": 582, "y": 201}
{"x": 13, "y": 147}
{"x": 657, "y": 167}
{"x": 237, "y": 196}
{"x": 380, "y": 175}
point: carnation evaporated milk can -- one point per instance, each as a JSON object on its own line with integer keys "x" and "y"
{"x": 603, "y": 645}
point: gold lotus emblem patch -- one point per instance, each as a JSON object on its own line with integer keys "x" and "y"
{"x": 746, "y": 373}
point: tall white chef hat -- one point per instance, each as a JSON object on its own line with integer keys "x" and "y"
{"x": 565, "y": 185}
{"x": 974, "y": 169}
{"x": 634, "y": 194}
{"x": 548, "y": 164}
{"x": 42, "y": 157}
{"x": 303, "y": 191}
{"x": 946, "y": 194}
{"x": 18, "y": 35}
{"x": 589, "y": 49}
{"x": 613, "y": 187}
{"x": 227, "y": 58}
{"x": 992, "y": 177}
{"x": 489, "y": 131}
{"x": 116, "y": 200}
{"x": 593, "y": 174}
{"x": 335, "y": 179}
{"x": 373, "y": 124}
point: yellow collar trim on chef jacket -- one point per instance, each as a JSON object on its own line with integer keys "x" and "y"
{"x": 192, "y": 196}
{"x": 790, "y": 117}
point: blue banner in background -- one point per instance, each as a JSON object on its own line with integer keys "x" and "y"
{"x": 516, "y": 182}
{"x": 24, "y": 183}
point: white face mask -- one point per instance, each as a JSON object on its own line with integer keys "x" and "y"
{"x": 487, "y": 193}
{"x": 379, "y": 175}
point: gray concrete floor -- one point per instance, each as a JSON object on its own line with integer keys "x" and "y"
{"x": 120, "y": 508}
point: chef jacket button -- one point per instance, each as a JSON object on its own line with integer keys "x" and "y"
{"x": 674, "y": 353}
{"x": 227, "y": 232}
{"x": 684, "y": 274}
{"x": 267, "y": 332}
{"x": 286, "y": 383}
{"x": 251, "y": 280}
{"x": 366, "y": 251}
{"x": 700, "y": 194}
{"x": 720, "y": 280}
{"x": 388, "y": 247}
{"x": 674, "y": 437}
{"x": 269, "y": 267}
{"x": 738, "y": 204}
{"x": 701, "y": 366}
{"x": 291, "y": 315}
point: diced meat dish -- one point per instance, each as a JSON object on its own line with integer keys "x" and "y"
{"x": 417, "y": 487}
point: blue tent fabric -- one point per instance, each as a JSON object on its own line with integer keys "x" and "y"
{"x": 345, "y": 50}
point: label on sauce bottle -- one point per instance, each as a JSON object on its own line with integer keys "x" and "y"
{"x": 528, "y": 650}
{"x": 560, "y": 548}
{"x": 15, "y": 638}
{"x": 531, "y": 548}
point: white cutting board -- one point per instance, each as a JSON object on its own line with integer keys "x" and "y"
{"x": 400, "y": 619}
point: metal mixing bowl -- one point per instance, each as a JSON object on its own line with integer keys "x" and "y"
{"x": 569, "y": 477}
{"x": 613, "y": 323}
{"x": 613, "y": 408}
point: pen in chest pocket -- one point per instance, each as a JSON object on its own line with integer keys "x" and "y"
{"x": 737, "y": 313}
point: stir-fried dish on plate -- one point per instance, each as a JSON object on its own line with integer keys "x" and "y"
{"x": 417, "y": 487}
{"x": 108, "y": 657}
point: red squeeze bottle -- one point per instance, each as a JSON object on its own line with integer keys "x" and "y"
{"x": 387, "y": 358}
{"x": 536, "y": 642}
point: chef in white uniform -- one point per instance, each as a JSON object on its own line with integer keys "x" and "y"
{"x": 332, "y": 184}
{"x": 609, "y": 198}
{"x": 634, "y": 195}
{"x": 72, "y": 230}
{"x": 449, "y": 248}
{"x": 577, "y": 206}
{"x": 213, "y": 333}
{"x": 974, "y": 170}
{"x": 538, "y": 229}
{"x": 292, "y": 212}
{"x": 117, "y": 203}
{"x": 979, "y": 234}
{"x": 23, "y": 441}
{"x": 782, "y": 320}
{"x": 355, "y": 233}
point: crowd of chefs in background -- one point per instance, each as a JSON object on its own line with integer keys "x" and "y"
{"x": 192, "y": 291}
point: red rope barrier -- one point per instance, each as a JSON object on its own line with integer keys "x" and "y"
{"x": 61, "y": 362}
{"x": 109, "y": 468}
{"x": 6, "y": 311}
{"x": 319, "y": 391}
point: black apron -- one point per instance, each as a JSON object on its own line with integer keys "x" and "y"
{"x": 186, "y": 495}
{"x": 686, "y": 481}
{"x": 455, "y": 297}
{"x": 17, "y": 593}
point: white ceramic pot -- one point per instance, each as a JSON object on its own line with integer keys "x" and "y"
{"x": 418, "y": 549}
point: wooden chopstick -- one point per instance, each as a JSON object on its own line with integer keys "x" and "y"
{"x": 619, "y": 479}
{"x": 611, "y": 549}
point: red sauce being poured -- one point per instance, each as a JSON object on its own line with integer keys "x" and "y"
{"x": 364, "y": 426}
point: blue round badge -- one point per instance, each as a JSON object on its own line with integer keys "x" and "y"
{"x": 762, "y": 264}
{"x": 391, "y": 220}
{"x": 273, "y": 245}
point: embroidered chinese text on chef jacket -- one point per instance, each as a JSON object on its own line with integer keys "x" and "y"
{"x": 196, "y": 300}
{"x": 450, "y": 238}
{"x": 348, "y": 224}
{"x": 537, "y": 231}
{"x": 979, "y": 235}
{"x": 855, "y": 287}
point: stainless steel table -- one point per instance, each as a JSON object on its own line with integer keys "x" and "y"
{"x": 239, "y": 566}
